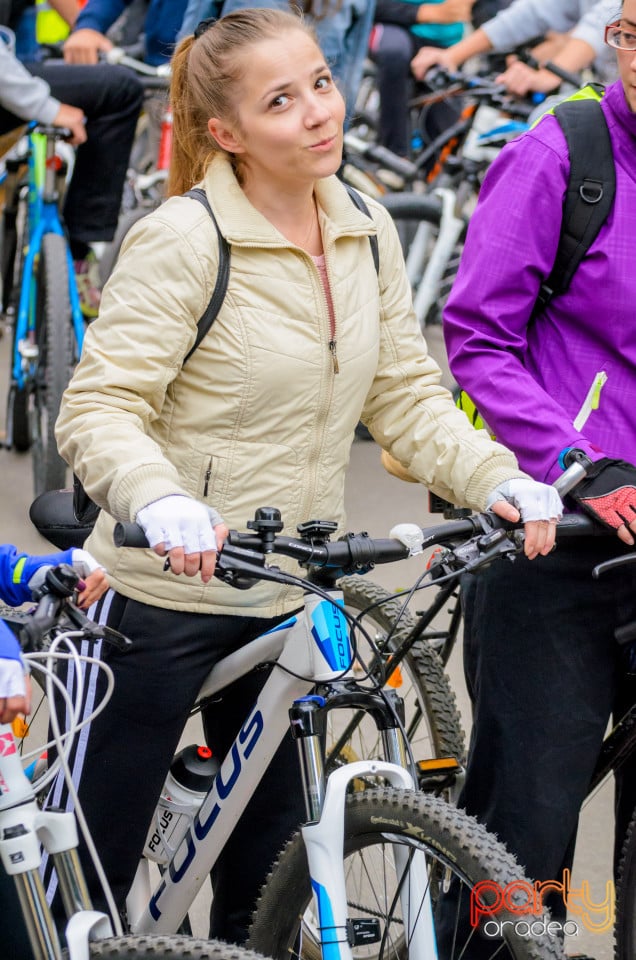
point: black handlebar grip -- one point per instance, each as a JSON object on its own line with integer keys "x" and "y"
{"x": 129, "y": 535}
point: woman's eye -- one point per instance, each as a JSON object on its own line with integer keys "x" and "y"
{"x": 323, "y": 82}
{"x": 280, "y": 100}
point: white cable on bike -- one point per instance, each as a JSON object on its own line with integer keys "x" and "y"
{"x": 68, "y": 776}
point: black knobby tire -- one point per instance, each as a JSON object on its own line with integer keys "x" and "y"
{"x": 167, "y": 948}
{"x": 11, "y": 241}
{"x": 625, "y": 925}
{"x": 56, "y": 358}
{"x": 19, "y": 418}
{"x": 459, "y": 853}
{"x": 436, "y": 729}
{"x": 12, "y": 262}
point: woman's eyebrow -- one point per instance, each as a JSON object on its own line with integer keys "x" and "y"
{"x": 282, "y": 85}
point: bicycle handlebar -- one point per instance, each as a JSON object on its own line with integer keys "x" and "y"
{"x": 151, "y": 76}
{"x": 480, "y": 538}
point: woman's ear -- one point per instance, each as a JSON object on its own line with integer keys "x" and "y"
{"x": 224, "y": 136}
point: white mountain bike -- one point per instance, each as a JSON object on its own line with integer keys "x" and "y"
{"x": 48, "y": 633}
{"x": 378, "y": 869}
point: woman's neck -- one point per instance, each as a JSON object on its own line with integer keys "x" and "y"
{"x": 293, "y": 213}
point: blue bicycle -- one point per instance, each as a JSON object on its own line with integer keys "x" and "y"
{"x": 39, "y": 298}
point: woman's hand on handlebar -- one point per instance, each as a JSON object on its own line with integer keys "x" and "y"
{"x": 85, "y": 45}
{"x": 521, "y": 79}
{"x": 538, "y": 505}
{"x": 189, "y": 533}
{"x": 74, "y": 120}
{"x": 11, "y": 707}
{"x": 428, "y": 57}
{"x": 94, "y": 586}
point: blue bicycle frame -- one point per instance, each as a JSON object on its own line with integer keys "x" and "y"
{"x": 43, "y": 218}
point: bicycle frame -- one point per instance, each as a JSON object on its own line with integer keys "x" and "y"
{"x": 43, "y": 218}
{"x": 312, "y": 647}
{"x": 24, "y": 827}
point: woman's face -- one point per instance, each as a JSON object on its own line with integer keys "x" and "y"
{"x": 290, "y": 113}
{"x": 627, "y": 58}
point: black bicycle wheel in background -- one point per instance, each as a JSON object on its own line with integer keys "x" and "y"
{"x": 167, "y": 948}
{"x": 459, "y": 853}
{"x": 433, "y": 723}
{"x": 625, "y": 925}
{"x": 417, "y": 219}
{"x": 14, "y": 225}
{"x": 56, "y": 358}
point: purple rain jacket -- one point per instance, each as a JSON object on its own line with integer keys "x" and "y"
{"x": 530, "y": 379}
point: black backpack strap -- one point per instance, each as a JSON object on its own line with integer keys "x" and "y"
{"x": 590, "y": 192}
{"x": 373, "y": 240}
{"x": 220, "y": 288}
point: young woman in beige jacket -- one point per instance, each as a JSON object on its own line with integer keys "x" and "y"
{"x": 309, "y": 339}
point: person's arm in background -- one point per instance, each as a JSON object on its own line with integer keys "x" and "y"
{"x": 21, "y": 573}
{"x": 582, "y": 46}
{"x": 67, "y": 9}
{"x": 29, "y": 98}
{"x": 521, "y": 21}
{"x": 408, "y": 14}
{"x": 15, "y": 686}
{"x": 88, "y": 38}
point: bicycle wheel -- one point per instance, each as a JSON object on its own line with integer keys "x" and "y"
{"x": 168, "y": 948}
{"x": 459, "y": 853}
{"x": 625, "y": 925}
{"x": 433, "y": 723}
{"x": 431, "y": 261}
{"x": 55, "y": 340}
{"x": 19, "y": 418}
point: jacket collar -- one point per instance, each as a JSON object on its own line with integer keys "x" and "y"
{"x": 242, "y": 225}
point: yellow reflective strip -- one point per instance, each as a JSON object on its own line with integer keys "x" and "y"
{"x": 17, "y": 570}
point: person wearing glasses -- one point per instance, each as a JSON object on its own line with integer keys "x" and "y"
{"x": 542, "y": 663}
{"x": 574, "y": 41}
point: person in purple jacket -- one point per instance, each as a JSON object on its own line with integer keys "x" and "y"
{"x": 542, "y": 663}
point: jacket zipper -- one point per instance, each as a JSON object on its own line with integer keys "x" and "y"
{"x": 334, "y": 355}
{"x": 206, "y": 479}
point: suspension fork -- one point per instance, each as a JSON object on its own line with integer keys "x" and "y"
{"x": 323, "y": 833}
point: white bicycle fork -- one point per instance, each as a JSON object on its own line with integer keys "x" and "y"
{"x": 324, "y": 841}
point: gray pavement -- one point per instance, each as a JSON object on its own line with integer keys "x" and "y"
{"x": 375, "y": 502}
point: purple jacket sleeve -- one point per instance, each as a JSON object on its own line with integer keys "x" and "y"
{"x": 510, "y": 248}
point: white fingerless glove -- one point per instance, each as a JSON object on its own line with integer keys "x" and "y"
{"x": 178, "y": 521}
{"x": 12, "y": 679}
{"x": 533, "y": 500}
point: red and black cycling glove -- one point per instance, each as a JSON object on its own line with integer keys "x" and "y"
{"x": 608, "y": 492}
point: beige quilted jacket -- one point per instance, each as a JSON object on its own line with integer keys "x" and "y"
{"x": 259, "y": 416}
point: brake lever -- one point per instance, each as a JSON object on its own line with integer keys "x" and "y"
{"x": 480, "y": 551}
{"x": 96, "y": 631}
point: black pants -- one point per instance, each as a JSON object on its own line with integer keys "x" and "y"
{"x": 545, "y": 674}
{"x": 392, "y": 53}
{"x": 111, "y": 97}
{"x": 131, "y": 745}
